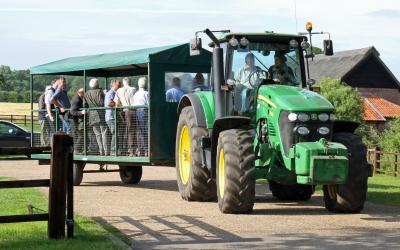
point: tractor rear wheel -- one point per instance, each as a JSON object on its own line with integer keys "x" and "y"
{"x": 349, "y": 197}
{"x": 193, "y": 180}
{"x": 295, "y": 192}
{"x": 78, "y": 173}
{"x": 130, "y": 174}
{"x": 236, "y": 177}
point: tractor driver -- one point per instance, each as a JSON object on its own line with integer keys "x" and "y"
{"x": 246, "y": 80}
{"x": 280, "y": 72}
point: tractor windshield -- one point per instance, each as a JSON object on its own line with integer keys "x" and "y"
{"x": 278, "y": 62}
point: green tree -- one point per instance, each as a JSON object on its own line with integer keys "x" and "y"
{"x": 315, "y": 50}
{"x": 347, "y": 101}
{"x": 391, "y": 137}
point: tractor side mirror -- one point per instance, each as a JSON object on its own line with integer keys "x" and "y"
{"x": 328, "y": 47}
{"x": 195, "y": 47}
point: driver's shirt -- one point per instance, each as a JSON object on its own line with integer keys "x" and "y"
{"x": 243, "y": 76}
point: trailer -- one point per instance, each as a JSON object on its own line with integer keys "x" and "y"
{"x": 159, "y": 65}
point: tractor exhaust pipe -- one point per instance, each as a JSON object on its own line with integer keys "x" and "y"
{"x": 218, "y": 74}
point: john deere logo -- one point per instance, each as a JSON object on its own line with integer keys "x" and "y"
{"x": 314, "y": 117}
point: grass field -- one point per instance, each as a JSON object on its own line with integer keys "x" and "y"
{"x": 33, "y": 235}
{"x": 9, "y": 108}
{"x": 382, "y": 189}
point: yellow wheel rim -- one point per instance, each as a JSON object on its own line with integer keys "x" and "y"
{"x": 184, "y": 154}
{"x": 332, "y": 191}
{"x": 221, "y": 173}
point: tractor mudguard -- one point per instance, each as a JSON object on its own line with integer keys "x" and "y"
{"x": 345, "y": 126}
{"x": 194, "y": 101}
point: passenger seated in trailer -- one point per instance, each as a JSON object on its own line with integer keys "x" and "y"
{"x": 124, "y": 97}
{"x": 175, "y": 93}
{"x": 198, "y": 83}
{"x": 76, "y": 118}
{"x": 94, "y": 98}
{"x": 141, "y": 98}
{"x": 110, "y": 115}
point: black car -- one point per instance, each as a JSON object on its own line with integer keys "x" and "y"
{"x": 12, "y": 135}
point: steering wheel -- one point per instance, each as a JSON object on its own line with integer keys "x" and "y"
{"x": 261, "y": 75}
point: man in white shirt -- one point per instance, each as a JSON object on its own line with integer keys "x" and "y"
{"x": 141, "y": 98}
{"x": 124, "y": 97}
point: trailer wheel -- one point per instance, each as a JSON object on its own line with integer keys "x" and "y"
{"x": 349, "y": 197}
{"x": 295, "y": 192}
{"x": 78, "y": 173}
{"x": 193, "y": 179}
{"x": 130, "y": 174}
{"x": 236, "y": 177}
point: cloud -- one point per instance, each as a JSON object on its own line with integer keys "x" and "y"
{"x": 385, "y": 13}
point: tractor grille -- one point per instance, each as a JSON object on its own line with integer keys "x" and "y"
{"x": 289, "y": 135}
{"x": 271, "y": 129}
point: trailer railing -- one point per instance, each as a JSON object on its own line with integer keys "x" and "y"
{"x": 102, "y": 131}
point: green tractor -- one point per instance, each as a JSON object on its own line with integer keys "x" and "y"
{"x": 260, "y": 120}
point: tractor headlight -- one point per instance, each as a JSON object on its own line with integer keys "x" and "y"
{"x": 303, "y": 117}
{"x": 303, "y": 130}
{"x": 244, "y": 42}
{"x": 233, "y": 42}
{"x": 292, "y": 117}
{"x": 323, "y": 117}
{"x": 323, "y": 130}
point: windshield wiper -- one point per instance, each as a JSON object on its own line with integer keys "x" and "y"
{"x": 259, "y": 61}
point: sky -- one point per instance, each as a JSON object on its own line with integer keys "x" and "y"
{"x": 40, "y": 31}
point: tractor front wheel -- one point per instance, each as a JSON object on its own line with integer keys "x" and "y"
{"x": 193, "y": 179}
{"x": 236, "y": 177}
{"x": 295, "y": 192}
{"x": 130, "y": 174}
{"x": 349, "y": 197}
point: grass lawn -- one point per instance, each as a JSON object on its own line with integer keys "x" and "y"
{"x": 33, "y": 235}
{"x": 382, "y": 189}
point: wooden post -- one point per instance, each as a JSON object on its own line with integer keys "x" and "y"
{"x": 25, "y": 120}
{"x": 395, "y": 164}
{"x": 70, "y": 194}
{"x": 11, "y": 118}
{"x": 377, "y": 157}
{"x": 61, "y": 151}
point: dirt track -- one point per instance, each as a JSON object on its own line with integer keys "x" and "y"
{"x": 153, "y": 215}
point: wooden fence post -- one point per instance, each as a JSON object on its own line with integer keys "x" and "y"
{"x": 395, "y": 164}
{"x": 377, "y": 158}
{"x": 60, "y": 159}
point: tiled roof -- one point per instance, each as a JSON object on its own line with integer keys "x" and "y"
{"x": 378, "y": 109}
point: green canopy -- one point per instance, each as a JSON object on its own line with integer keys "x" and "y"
{"x": 112, "y": 63}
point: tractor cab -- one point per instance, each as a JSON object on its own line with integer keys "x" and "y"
{"x": 255, "y": 59}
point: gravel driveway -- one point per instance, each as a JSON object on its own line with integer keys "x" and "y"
{"x": 153, "y": 215}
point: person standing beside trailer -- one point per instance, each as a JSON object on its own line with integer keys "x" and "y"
{"x": 110, "y": 115}
{"x": 76, "y": 116}
{"x": 61, "y": 101}
{"x": 124, "y": 97}
{"x": 94, "y": 98}
{"x": 141, "y": 98}
{"x": 49, "y": 106}
{"x": 44, "y": 125}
